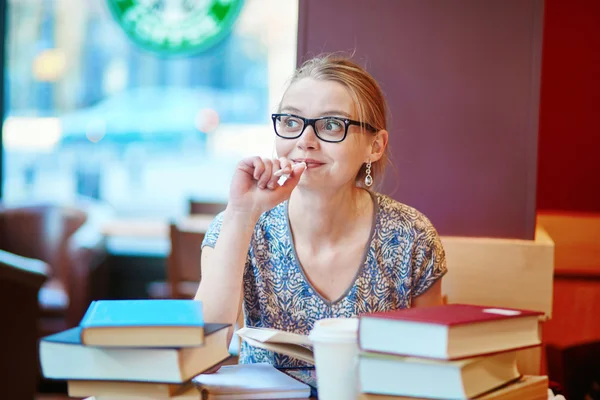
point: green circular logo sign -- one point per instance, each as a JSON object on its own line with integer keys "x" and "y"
{"x": 176, "y": 27}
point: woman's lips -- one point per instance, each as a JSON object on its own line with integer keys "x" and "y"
{"x": 310, "y": 163}
{"x": 313, "y": 165}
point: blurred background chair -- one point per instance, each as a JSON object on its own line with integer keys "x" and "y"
{"x": 183, "y": 265}
{"x": 20, "y": 281}
{"x": 69, "y": 241}
{"x": 576, "y": 368}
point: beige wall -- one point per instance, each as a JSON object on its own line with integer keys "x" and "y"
{"x": 500, "y": 272}
{"x": 503, "y": 273}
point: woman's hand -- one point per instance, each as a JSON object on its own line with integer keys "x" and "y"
{"x": 255, "y": 188}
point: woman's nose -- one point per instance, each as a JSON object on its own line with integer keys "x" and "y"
{"x": 309, "y": 139}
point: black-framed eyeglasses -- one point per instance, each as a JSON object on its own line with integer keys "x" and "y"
{"x": 328, "y": 129}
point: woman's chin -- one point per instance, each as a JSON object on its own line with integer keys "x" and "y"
{"x": 315, "y": 183}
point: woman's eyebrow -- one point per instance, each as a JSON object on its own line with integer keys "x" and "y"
{"x": 290, "y": 109}
{"x": 337, "y": 112}
{"x": 326, "y": 113}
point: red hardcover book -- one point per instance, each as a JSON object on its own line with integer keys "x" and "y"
{"x": 449, "y": 332}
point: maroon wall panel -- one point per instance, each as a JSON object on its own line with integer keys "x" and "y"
{"x": 462, "y": 81}
{"x": 569, "y": 165}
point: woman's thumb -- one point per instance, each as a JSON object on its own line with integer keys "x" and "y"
{"x": 294, "y": 178}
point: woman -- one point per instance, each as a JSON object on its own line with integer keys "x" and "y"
{"x": 322, "y": 244}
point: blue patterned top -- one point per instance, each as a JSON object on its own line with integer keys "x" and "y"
{"x": 404, "y": 258}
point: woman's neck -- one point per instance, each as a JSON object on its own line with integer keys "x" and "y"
{"x": 318, "y": 218}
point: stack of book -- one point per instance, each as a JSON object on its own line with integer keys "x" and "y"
{"x": 453, "y": 351}
{"x": 139, "y": 348}
{"x": 230, "y": 382}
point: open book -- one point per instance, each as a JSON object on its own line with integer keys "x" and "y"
{"x": 290, "y": 344}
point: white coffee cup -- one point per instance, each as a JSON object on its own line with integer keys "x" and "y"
{"x": 335, "y": 343}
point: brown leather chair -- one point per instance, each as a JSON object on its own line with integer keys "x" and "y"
{"x": 183, "y": 265}
{"x": 68, "y": 239}
{"x": 20, "y": 282}
{"x": 183, "y": 262}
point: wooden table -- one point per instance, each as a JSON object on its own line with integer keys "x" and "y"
{"x": 155, "y": 229}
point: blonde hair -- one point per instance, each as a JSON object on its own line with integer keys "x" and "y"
{"x": 365, "y": 92}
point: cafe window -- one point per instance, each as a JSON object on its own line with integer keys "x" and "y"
{"x": 92, "y": 112}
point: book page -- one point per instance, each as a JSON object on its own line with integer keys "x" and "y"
{"x": 267, "y": 335}
{"x": 292, "y": 350}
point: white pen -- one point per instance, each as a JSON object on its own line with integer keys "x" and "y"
{"x": 284, "y": 177}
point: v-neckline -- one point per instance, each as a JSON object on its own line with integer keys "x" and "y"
{"x": 361, "y": 267}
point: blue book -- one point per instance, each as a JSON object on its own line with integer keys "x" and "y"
{"x": 63, "y": 356}
{"x": 143, "y": 323}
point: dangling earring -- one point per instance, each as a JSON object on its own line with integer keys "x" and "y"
{"x": 368, "y": 178}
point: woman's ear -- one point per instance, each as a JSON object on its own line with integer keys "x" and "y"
{"x": 379, "y": 144}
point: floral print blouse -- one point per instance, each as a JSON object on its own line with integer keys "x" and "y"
{"x": 403, "y": 259}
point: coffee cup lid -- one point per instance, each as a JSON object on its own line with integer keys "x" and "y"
{"x": 335, "y": 330}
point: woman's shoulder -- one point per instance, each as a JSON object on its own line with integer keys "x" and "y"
{"x": 393, "y": 213}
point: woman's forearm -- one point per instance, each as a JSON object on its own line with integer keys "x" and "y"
{"x": 220, "y": 288}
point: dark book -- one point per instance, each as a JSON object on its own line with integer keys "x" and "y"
{"x": 449, "y": 332}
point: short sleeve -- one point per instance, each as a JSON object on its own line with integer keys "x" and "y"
{"x": 429, "y": 261}
{"x": 211, "y": 236}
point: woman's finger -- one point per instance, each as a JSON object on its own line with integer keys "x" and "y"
{"x": 259, "y": 167}
{"x": 274, "y": 177}
{"x": 285, "y": 167}
{"x": 265, "y": 177}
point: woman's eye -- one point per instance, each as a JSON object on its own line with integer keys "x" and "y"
{"x": 291, "y": 123}
{"x": 333, "y": 125}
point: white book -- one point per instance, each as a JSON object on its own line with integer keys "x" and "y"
{"x": 250, "y": 381}
{"x": 434, "y": 379}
